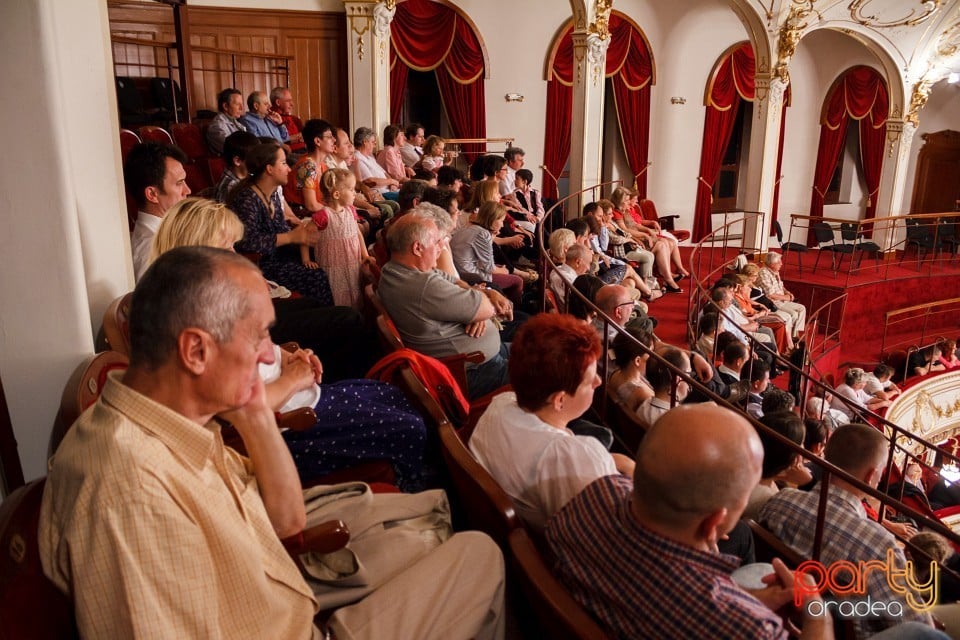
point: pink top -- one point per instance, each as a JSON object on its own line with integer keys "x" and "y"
{"x": 392, "y": 162}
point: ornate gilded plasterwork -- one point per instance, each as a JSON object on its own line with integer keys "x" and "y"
{"x": 601, "y": 23}
{"x": 918, "y": 99}
{"x": 949, "y": 42}
{"x": 790, "y": 33}
{"x": 919, "y": 12}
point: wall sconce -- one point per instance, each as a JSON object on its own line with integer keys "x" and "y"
{"x": 678, "y": 100}
{"x": 513, "y": 97}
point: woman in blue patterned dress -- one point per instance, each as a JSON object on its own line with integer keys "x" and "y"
{"x": 258, "y": 203}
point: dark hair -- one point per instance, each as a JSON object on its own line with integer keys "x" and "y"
{"x": 630, "y": 343}
{"x": 237, "y": 144}
{"x": 734, "y": 351}
{"x": 390, "y": 133}
{"x": 775, "y": 400}
{"x": 882, "y": 370}
{"x": 252, "y": 99}
{"x": 723, "y": 339}
{"x": 492, "y": 164}
{"x": 587, "y": 285}
{"x": 777, "y": 456}
{"x": 184, "y": 287}
{"x": 447, "y": 175}
{"x": 707, "y": 324}
{"x": 853, "y": 447}
{"x": 411, "y": 129}
{"x": 409, "y": 191}
{"x": 313, "y": 129}
{"x": 525, "y": 174}
{"x": 550, "y": 353}
{"x": 513, "y": 152}
{"x": 579, "y": 226}
{"x": 659, "y": 375}
{"x": 224, "y": 96}
{"x": 146, "y": 166}
{"x": 419, "y": 173}
{"x": 440, "y": 197}
{"x": 816, "y": 433}
{"x": 589, "y": 208}
{"x": 759, "y": 370}
{"x": 257, "y": 159}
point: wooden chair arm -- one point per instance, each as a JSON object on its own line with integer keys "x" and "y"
{"x": 326, "y": 537}
{"x": 297, "y": 420}
{"x": 667, "y": 222}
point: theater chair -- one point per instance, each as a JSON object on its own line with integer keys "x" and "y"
{"x": 116, "y": 324}
{"x": 558, "y": 615}
{"x": 649, "y": 211}
{"x": 153, "y": 133}
{"x": 188, "y": 137}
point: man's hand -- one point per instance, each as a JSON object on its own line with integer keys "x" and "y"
{"x": 254, "y": 415}
{"x": 701, "y": 366}
{"x": 476, "y": 329}
{"x": 502, "y": 306}
{"x": 274, "y": 117}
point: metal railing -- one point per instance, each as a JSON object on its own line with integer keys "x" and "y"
{"x": 897, "y": 436}
{"x": 918, "y": 316}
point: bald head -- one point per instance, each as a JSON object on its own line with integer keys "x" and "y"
{"x": 613, "y": 300}
{"x": 694, "y": 461}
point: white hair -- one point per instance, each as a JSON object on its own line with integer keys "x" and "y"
{"x": 772, "y": 258}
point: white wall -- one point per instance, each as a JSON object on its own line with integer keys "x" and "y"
{"x": 941, "y": 112}
{"x": 64, "y": 248}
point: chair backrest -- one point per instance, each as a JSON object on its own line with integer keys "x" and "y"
{"x": 390, "y": 338}
{"x": 116, "y": 324}
{"x": 167, "y": 94}
{"x": 625, "y": 423}
{"x": 188, "y": 137}
{"x": 649, "y": 210}
{"x": 154, "y": 133}
{"x": 769, "y": 546}
{"x": 822, "y": 232}
{"x": 848, "y": 231}
{"x": 558, "y": 614}
{"x": 31, "y": 606}
{"x": 82, "y": 390}
{"x": 128, "y": 140}
{"x": 128, "y": 96}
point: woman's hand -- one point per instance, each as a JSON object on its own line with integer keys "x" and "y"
{"x": 305, "y": 233}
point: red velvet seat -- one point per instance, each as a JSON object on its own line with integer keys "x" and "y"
{"x": 151, "y": 133}
{"x": 649, "y": 211}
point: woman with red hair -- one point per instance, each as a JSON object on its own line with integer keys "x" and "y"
{"x": 523, "y": 438}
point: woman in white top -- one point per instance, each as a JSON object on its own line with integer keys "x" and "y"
{"x": 368, "y": 170}
{"x": 854, "y": 380}
{"x": 522, "y": 438}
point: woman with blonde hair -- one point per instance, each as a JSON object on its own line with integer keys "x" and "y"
{"x": 662, "y": 252}
{"x": 472, "y": 249}
{"x": 380, "y": 423}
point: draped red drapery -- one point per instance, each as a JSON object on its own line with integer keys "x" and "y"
{"x": 732, "y": 81}
{"x": 630, "y": 68}
{"x": 859, "y": 93}
{"x": 429, "y": 36}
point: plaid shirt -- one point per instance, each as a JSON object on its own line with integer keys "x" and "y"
{"x": 847, "y": 535}
{"x": 769, "y": 280}
{"x": 641, "y": 585}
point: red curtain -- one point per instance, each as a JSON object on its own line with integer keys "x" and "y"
{"x": 859, "y": 93}
{"x": 630, "y": 67}
{"x": 732, "y": 81}
{"x": 429, "y": 36}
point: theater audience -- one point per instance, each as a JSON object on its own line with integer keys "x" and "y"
{"x": 153, "y": 526}
{"x": 450, "y": 178}
{"x": 389, "y": 157}
{"x": 631, "y": 350}
{"x": 769, "y": 279}
{"x": 612, "y": 270}
{"x": 861, "y": 451}
{"x": 433, "y": 313}
{"x": 412, "y": 149}
{"x": 879, "y": 384}
{"x": 261, "y": 121}
{"x": 777, "y": 400}
{"x": 948, "y": 354}
{"x": 588, "y": 286}
{"x": 735, "y": 355}
{"x": 235, "y": 149}
{"x": 781, "y": 464}
{"x": 759, "y": 383}
{"x": 577, "y": 264}
{"x": 230, "y": 103}
{"x": 620, "y": 246}
{"x": 664, "y": 383}
{"x": 690, "y": 485}
{"x": 370, "y": 200}
{"x": 434, "y": 154}
{"x": 528, "y": 197}
{"x": 522, "y": 438}
{"x": 381, "y": 424}
{"x": 321, "y": 143}
{"x": 924, "y": 361}
{"x": 446, "y": 226}
{"x": 156, "y": 180}
{"x": 757, "y": 312}
{"x": 473, "y": 256}
{"x": 369, "y": 172}
{"x": 257, "y": 202}
{"x": 854, "y": 380}
{"x": 819, "y": 408}
{"x": 281, "y": 103}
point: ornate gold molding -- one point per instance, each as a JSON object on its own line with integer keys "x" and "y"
{"x": 926, "y": 9}
{"x": 925, "y": 406}
{"x": 949, "y": 41}
{"x": 918, "y": 100}
{"x": 790, "y": 33}
{"x": 601, "y": 23}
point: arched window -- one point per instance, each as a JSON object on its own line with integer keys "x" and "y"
{"x": 630, "y": 68}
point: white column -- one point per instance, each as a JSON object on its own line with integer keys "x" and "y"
{"x": 586, "y": 135}
{"x": 368, "y": 62}
{"x": 761, "y": 179}
{"x": 893, "y": 188}
{"x": 65, "y": 245}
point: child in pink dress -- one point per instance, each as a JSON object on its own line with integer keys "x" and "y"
{"x": 340, "y": 250}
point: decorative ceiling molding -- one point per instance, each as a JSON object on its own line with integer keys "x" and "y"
{"x": 915, "y": 16}
{"x": 790, "y": 33}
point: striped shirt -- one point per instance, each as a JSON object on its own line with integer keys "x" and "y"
{"x": 847, "y": 535}
{"x": 641, "y": 585}
{"x": 156, "y": 529}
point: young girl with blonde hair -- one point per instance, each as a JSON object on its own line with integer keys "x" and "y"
{"x": 340, "y": 249}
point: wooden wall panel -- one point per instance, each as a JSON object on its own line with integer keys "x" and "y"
{"x": 315, "y": 40}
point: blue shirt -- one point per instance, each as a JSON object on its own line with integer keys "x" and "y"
{"x": 263, "y": 127}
